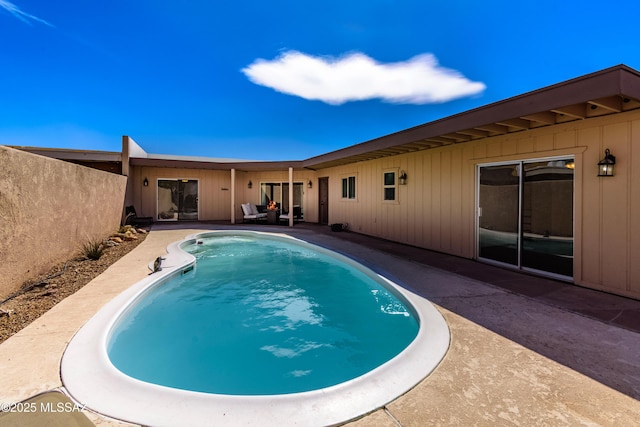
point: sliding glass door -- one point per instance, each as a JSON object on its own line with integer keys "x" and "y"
{"x": 278, "y": 192}
{"x": 547, "y": 216}
{"x": 525, "y": 215}
{"x": 498, "y": 226}
{"x": 177, "y": 200}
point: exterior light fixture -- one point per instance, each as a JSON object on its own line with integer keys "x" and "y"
{"x": 309, "y": 184}
{"x": 250, "y": 184}
{"x": 145, "y": 182}
{"x": 402, "y": 179}
{"x": 605, "y": 166}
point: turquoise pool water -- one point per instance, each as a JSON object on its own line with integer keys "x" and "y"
{"x": 261, "y": 316}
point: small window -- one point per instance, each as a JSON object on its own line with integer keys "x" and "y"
{"x": 349, "y": 187}
{"x": 389, "y": 186}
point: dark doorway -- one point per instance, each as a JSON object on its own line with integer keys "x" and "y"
{"x": 323, "y": 202}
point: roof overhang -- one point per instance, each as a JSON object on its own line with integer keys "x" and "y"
{"x": 610, "y": 91}
{"x": 201, "y": 163}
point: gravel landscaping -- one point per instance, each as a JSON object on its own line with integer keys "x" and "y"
{"x": 40, "y": 294}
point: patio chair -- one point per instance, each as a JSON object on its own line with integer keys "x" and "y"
{"x": 297, "y": 215}
{"x": 251, "y": 213}
{"x": 132, "y": 218}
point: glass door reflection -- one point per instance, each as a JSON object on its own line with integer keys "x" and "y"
{"x": 547, "y": 216}
{"x": 177, "y": 200}
{"x": 498, "y": 212}
{"x": 167, "y": 200}
{"x": 188, "y": 200}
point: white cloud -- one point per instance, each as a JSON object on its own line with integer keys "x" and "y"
{"x": 23, "y": 16}
{"x": 355, "y": 77}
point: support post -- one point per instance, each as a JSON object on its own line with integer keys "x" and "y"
{"x": 290, "y": 197}
{"x": 233, "y": 196}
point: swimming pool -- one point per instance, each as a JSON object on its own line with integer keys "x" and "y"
{"x": 261, "y": 316}
{"x": 91, "y": 378}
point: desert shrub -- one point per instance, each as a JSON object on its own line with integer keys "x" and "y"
{"x": 92, "y": 249}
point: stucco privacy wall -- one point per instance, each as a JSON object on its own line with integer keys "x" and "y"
{"x": 49, "y": 208}
{"x": 437, "y": 207}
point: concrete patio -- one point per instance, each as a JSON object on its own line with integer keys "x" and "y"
{"x": 524, "y": 350}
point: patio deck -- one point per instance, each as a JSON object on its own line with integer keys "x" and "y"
{"x": 524, "y": 350}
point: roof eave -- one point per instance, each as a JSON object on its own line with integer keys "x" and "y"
{"x": 619, "y": 80}
{"x": 204, "y": 164}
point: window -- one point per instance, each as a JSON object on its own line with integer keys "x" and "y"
{"x": 349, "y": 187}
{"x": 389, "y": 186}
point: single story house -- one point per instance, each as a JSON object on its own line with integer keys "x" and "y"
{"x": 543, "y": 182}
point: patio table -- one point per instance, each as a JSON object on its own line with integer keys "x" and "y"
{"x": 273, "y": 216}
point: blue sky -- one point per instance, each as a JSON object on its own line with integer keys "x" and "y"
{"x": 283, "y": 80}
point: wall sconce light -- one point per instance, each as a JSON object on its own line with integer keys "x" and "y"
{"x": 402, "y": 179}
{"x": 145, "y": 182}
{"x": 250, "y": 184}
{"x": 309, "y": 184}
{"x": 605, "y": 166}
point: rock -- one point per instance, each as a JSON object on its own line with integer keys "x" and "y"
{"x": 116, "y": 239}
{"x": 130, "y": 236}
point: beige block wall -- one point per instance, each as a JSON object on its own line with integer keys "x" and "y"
{"x": 437, "y": 207}
{"x": 48, "y": 210}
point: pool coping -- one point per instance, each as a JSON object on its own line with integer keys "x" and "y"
{"x": 119, "y": 396}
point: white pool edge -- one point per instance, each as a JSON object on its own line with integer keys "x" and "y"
{"x": 91, "y": 379}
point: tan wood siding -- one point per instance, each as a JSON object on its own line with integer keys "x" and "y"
{"x": 214, "y": 190}
{"x": 436, "y": 208}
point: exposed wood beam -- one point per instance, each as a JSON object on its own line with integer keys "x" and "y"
{"x": 578, "y": 110}
{"x": 416, "y": 146}
{"x": 612, "y": 103}
{"x": 430, "y": 143}
{"x": 516, "y": 123}
{"x": 457, "y": 136}
{"x": 546, "y": 117}
{"x": 475, "y": 133}
{"x": 423, "y": 145}
{"x": 493, "y": 128}
{"x": 438, "y": 141}
{"x": 408, "y": 148}
{"x": 383, "y": 153}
